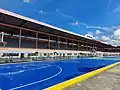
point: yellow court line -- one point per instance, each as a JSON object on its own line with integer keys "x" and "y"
{"x": 81, "y": 78}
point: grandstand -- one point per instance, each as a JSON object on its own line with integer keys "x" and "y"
{"x": 24, "y": 35}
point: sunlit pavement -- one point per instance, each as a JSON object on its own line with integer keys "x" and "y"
{"x": 108, "y": 80}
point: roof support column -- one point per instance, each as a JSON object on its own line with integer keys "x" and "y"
{"x": 36, "y": 40}
{"x": 78, "y": 46}
{"x": 66, "y": 45}
{"x": 20, "y": 38}
{"x": 72, "y": 46}
{"x": 58, "y": 45}
{"x": 49, "y": 42}
{"x": 86, "y": 46}
{"x": 81, "y": 46}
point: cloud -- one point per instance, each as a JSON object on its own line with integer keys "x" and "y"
{"x": 57, "y": 12}
{"x": 105, "y": 38}
{"x": 98, "y": 32}
{"x": 117, "y": 9}
{"x": 65, "y": 15}
{"x": 99, "y": 27}
{"x": 27, "y": 1}
{"x": 113, "y": 39}
{"x": 116, "y": 35}
{"x": 42, "y": 12}
{"x": 96, "y": 38}
{"x": 76, "y": 23}
{"x": 104, "y": 28}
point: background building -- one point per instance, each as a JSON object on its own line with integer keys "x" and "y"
{"x": 19, "y": 33}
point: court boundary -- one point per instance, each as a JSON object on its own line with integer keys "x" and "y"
{"x": 81, "y": 78}
{"x": 22, "y": 86}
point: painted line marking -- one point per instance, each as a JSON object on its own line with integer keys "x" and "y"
{"x": 21, "y": 71}
{"x": 40, "y": 80}
{"x": 80, "y": 78}
{"x": 20, "y": 63}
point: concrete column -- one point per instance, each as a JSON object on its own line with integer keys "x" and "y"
{"x": 58, "y": 45}
{"x": 66, "y": 44}
{"x": 78, "y": 45}
{"x": 36, "y": 40}
{"x": 20, "y": 38}
{"x": 49, "y": 42}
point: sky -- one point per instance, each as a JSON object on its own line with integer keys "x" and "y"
{"x": 96, "y": 19}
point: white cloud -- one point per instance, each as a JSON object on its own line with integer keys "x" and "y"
{"x": 65, "y": 15}
{"x": 117, "y": 9}
{"x": 116, "y": 35}
{"x": 76, "y": 23}
{"x": 41, "y": 11}
{"x": 27, "y": 1}
{"x": 113, "y": 39}
{"x": 105, "y": 38}
{"x": 98, "y": 32}
{"x": 97, "y": 38}
{"x": 102, "y": 28}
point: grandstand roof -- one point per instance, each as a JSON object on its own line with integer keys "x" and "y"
{"x": 25, "y": 22}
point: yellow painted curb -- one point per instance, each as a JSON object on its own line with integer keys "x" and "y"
{"x": 81, "y": 78}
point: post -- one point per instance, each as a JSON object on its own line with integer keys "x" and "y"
{"x": 66, "y": 44}
{"x": 58, "y": 46}
{"x": 20, "y": 38}
{"x": 36, "y": 40}
{"x": 2, "y": 36}
{"x": 49, "y": 42}
{"x": 78, "y": 45}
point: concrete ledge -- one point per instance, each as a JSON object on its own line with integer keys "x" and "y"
{"x": 81, "y": 78}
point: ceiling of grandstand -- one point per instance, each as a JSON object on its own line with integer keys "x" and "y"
{"x": 18, "y": 21}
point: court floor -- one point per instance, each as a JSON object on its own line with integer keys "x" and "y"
{"x": 40, "y": 75}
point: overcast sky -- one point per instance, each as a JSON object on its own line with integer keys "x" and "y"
{"x": 99, "y": 19}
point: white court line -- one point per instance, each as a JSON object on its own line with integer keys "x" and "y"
{"x": 20, "y": 63}
{"x": 40, "y": 80}
{"x": 28, "y": 62}
{"x": 21, "y": 71}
